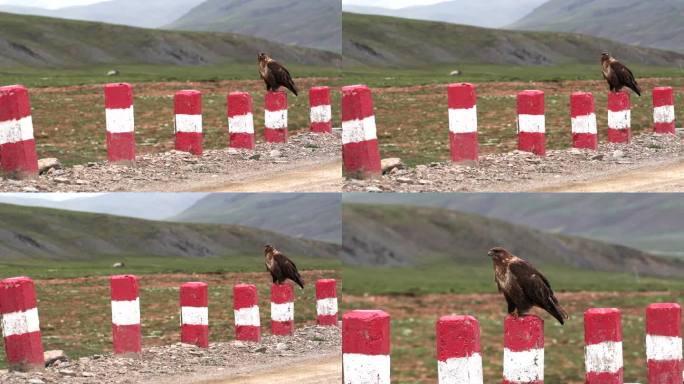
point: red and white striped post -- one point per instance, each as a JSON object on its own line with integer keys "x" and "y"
{"x": 360, "y": 151}
{"x": 18, "y": 157}
{"x": 125, "y": 315}
{"x": 663, "y": 110}
{"x": 531, "y": 122}
{"x": 20, "y": 324}
{"x": 523, "y": 350}
{"x": 282, "y": 310}
{"x": 664, "y": 343}
{"x": 619, "y": 118}
{"x": 603, "y": 346}
{"x": 463, "y": 122}
{"x": 120, "y": 122}
{"x": 240, "y": 121}
{"x": 326, "y": 302}
{"x": 188, "y": 110}
{"x": 194, "y": 301}
{"x": 458, "y": 350}
{"x": 246, "y": 310}
{"x": 583, "y": 119}
{"x": 275, "y": 119}
{"x": 321, "y": 110}
{"x": 366, "y": 347}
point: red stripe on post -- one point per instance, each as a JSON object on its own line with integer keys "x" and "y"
{"x": 276, "y": 117}
{"x": 319, "y": 101}
{"x": 523, "y": 333}
{"x": 126, "y": 333}
{"x": 360, "y": 151}
{"x": 188, "y": 110}
{"x": 582, "y": 112}
{"x": 240, "y": 121}
{"x": 531, "y": 124}
{"x": 120, "y": 122}
{"x": 602, "y": 326}
{"x": 194, "y": 301}
{"x": 663, "y": 343}
{"x": 23, "y": 344}
{"x": 462, "y": 101}
{"x": 457, "y": 337}
{"x": 663, "y": 110}
{"x": 246, "y": 296}
{"x": 326, "y": 290}
{"x": 619, "y": 117}
{"x": 366, "y": 332}
{"x": 18, "y": 158}
{"x": 282, "y": 310}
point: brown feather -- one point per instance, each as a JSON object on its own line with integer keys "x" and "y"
{"x": 618, "y": 75}
{"x": 275, "y": 75}
{"x": 523, "y": 286}
{"x": 281, "y": 267}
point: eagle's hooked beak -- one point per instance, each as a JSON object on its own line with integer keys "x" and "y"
{"x": 490, "y": 253}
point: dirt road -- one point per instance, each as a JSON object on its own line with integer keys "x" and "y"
{"x": 660, "y": 178}
{"x": 319, "y": 370}
{"x": 313, "y": 176}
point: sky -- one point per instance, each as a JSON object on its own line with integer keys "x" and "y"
{"x": 51, "y": 4}
{"x": 394, "y": 4}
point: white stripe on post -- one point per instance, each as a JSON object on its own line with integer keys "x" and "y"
{"x": 359, "y": 130}
{"x": 126, "y": 312}
{"x": 248, "y": 317}
{"x": 19, "y": 323}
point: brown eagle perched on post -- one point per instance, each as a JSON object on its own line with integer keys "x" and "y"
{"x": 523, "y": 286}
{"x": 281, "y": 267}
{"x": 275, "y": 75}
{"x": 617, "y": 75}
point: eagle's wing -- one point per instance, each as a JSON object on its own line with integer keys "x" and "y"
{"x": 537, "y": 289}
{"x": 625, "y": 76}
{"x": 288, "y": 268}
{"x": 282, "y": 76}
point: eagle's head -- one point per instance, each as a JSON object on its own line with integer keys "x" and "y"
{"x": 605, "y": 56}
{"x": 499, "y": 254}
{"x": 262, "y": 57}
{"x": 268, "y": 249}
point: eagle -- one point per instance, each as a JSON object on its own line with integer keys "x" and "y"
{"x": 523, "y": 286}
{"x": 275, "y": 75}
{"x": 281, "y": 267}
{"x": 618, "y": 75}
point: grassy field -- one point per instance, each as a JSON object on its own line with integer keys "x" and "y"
{"x": 83, "y": 328}
{"x": 411, "y": 105}
{"x": 69, "y": 117}
{"x": 416, "y": 297}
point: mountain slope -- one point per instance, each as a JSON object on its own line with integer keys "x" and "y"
{"x": 312, "y": 216}
{"x": 307, "y": 23}
{"x": 393, "y": 42}
{"x": 655, "y": 24}
{"x": 49, "y": 234}
{"x": 649, "y": 222}
{"x": 42, "y": 42}
{"x": 403, "y": 235}
{"x": 145, "y": 14}
{"x": 490, "y": 14}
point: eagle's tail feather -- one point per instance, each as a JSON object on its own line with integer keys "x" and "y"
{"x": 558, "y": 312}
{"x": 635, "y": 87}
{"x": 298, "y": 280}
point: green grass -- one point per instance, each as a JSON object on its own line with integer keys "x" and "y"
{"x": 460, "y": 278}
{"x": 478, "y": 73}
{"x": 140, "y": 73}
{"x": 147, "y": 265}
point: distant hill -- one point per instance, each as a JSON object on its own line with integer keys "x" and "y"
{"x": 404, "y": 236}
{"x": 136, "y": 13}
{"x": 393, "y": 42}
{"x": 649, "y": 222}
{"x": 76, "y": 43}
{"x": 308, "y": 23}
{"x": 312, "y": 215}
{"x": 148, "y": 206}
{"x": 49, "y": 234}
{"x": 490, "y": 14}
{"x": 655, "y": 24}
